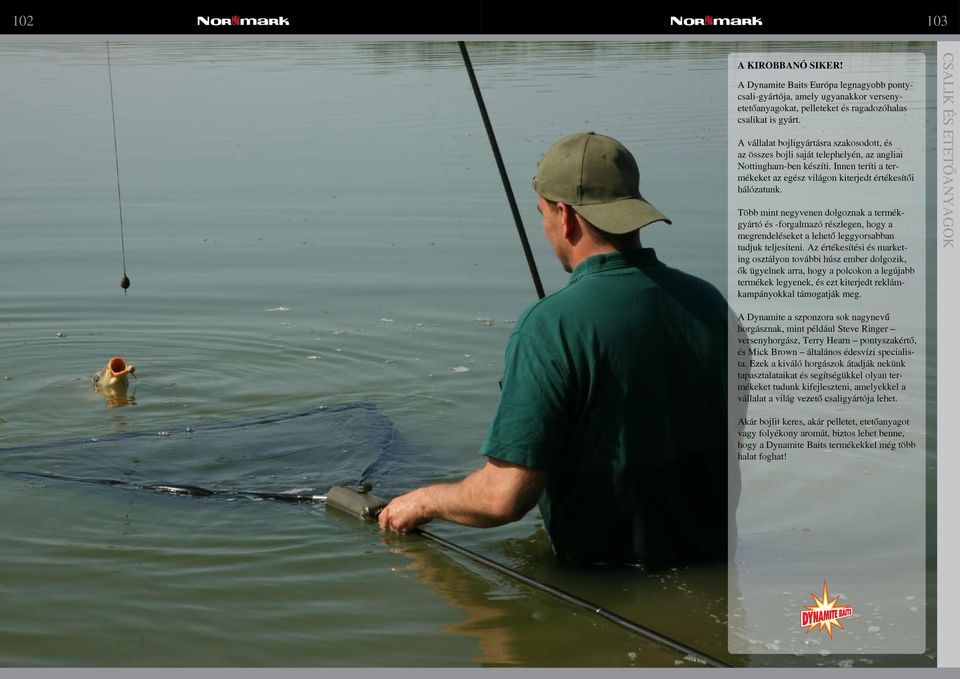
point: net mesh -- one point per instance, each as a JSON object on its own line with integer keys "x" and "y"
{"x": 299, "y": 452}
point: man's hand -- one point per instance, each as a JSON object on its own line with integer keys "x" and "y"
{"x": 497, "y": 493}
{"x": 406, "y": 512}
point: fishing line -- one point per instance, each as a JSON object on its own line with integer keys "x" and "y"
{"x": 528, "y": 253}
{"x": 124, "y": 281}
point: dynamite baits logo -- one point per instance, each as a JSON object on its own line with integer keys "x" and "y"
{"x": 825, "y": 613}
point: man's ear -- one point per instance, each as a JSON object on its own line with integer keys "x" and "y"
{"x": 572, "y": 228}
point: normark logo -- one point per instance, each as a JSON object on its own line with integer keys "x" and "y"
{"x": 716, "y": 21}
{"x": 242, "y": 21}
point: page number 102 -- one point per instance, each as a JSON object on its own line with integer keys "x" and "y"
{"x": 22, "y": 21}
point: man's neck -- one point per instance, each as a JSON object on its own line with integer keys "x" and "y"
{"x": 585, "y": 252}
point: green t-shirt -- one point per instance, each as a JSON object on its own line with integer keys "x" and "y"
{"x": 616, "y": 387}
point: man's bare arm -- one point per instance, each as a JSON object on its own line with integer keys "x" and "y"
{"x": 495, "y": 494}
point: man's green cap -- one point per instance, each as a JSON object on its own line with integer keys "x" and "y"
{"x": 598, "y": 177}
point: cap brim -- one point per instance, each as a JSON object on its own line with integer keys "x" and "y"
{"x": 621, "y": 216}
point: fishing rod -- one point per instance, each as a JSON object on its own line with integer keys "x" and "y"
{"x": 573, "y": 600}
{"x": 528, "y": 253}
{"x": 360, "y": 503}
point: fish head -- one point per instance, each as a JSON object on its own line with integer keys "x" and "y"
{"x": 114, "y": 375}
{"x": 112, "y": 383}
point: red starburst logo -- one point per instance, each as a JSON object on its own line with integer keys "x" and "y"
{"x": 824, "y": 614}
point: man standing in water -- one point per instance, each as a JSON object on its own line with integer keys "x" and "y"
{"x": 613, "y": 409}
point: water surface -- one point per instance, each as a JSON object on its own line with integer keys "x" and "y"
{"x": 311, "y": 224}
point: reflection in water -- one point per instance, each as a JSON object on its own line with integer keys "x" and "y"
{"x": 486, "y": 621}
{"x": 688, "y": 604}
{"x": 515, "y": 626}
{"x": 118, "y": 398}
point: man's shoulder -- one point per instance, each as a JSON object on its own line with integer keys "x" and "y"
{"x": 665, "y": 272}
{"x": 655, "y": 288}
{"x": 688, "y": 289}
{"x": 545, "y": 311}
